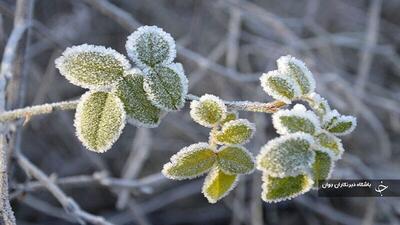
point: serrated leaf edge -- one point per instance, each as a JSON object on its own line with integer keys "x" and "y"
{"x": 231, "y": 123}
{"x": 195, "y": 104}
{"x": 275, "y": 73}
{"x": 245, "y": 150}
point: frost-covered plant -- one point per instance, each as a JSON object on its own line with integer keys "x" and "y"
{"x": 118, "y": 93}
{"x": 224, "y": 157}
{"x": 308, "y": 148}
{"x": 291, "y": 164}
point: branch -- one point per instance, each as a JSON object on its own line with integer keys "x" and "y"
{"x": 27, "y": 112}
{"x": 70, "y": 206}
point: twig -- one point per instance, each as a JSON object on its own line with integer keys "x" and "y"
{"x": 134, "y": 163}
{"x": 370, "y": 42}
{"x": 27, "y": 112}
{"x": 20, "y": 24}
{"x": 70, "y": 206}
{"x": 37, "y": 110}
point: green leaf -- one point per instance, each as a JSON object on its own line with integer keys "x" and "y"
{"x": 331, "y": 144}
{"x": 94, "y": 67}
{"x": 218, "y": 184}
{"x": 277, "y": 189}
{"x": 322, "y": 167}
{"x": 151, "y": 46}
{"x": 235, "y": 132}
{"x": 208, "y": 111}
{"x": 279, "y": 86}
{"x": 296, "y": 120}
{"x": 229, "y": 117}
{"x": 166, "y": 86}
{"x": 343, "y": 125}
{"x": 99, "y": 120}
{"x": 190, "y": 162}
{"x": 287, "y": 155}
{"x": 298, "y": 71}
{"x": 235, "y": 160}
{"x": 140, "y": 111}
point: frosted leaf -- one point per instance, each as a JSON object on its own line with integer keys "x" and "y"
{"x": 218, "y": 184}
{"x": 93, "y": 67}
{"x": 322, "y": 167}
{"x": 151, "y": 46}
{"x": 99, "y": 120}
{"x": 330, "y": 143}
{"x": 235, "y": 159}
{"x": 208, "y": 111}
{"x": 298, "y": 71}
{"x": 238, "y": 131}
{"x": 287, "y": 155}
{"x": 166, "y": 87}
{"x": 343, "y": 125}
{"x": 318, "y": 104}
{"x": 297, "y": 119}
{"x": 190, "y": 162}
{"x": 279, "y": 86}
{"x": 277, "y": 189}
{"x": 229, "y": 117}
{"x": 139, "y": 110}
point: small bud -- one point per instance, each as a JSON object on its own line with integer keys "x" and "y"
{"x": 166, "y": 86}
{"x": 235, "y": 159}
{"x": 322, "y": 167}
{"x": 279, "y": 86}
{"x": 99, "y": 120}
{"x": 318, "y": 104}
{"x": 190, "y": 162}
{"x": 218, "y": 184}
{"x": 298, "y": 71}
{"x": 277, "y": 189}
{"x": 287, "y": 155}
{"x": 297, "y": 119}
{"x": 151, "y": 46}
{"x": 140, "y": 111}
{"x": 330, "y": 144}
{"x": 235, "y": 132}
{"x": 93, "y": 67}
{"x": 208, "y": 111}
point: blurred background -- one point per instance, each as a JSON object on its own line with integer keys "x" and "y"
{"x": 352, "y": 47}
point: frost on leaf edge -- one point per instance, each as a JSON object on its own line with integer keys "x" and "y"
{"x": 73, "y": 50}
{"x": 77, "y": 121}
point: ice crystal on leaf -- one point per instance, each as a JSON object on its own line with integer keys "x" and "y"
{"x": 277, "y": 189}
{"x": 235, "y": 159}
{"x": 288, "y": 155}
{"x": 208, "y": 111}
{"x": 166, "y": 87}
{"x": 190, "y": 162}
{"x": 330, "y": 144}
{"x": 149, "y": 46}
{"x": 297, "y": 119}
{"x": 90, "y": 66}
{"x": 139, "y": 110}
{"x": 298, "y": 71}
{"x": 218, "y": 184}
{"x": 279, "y": 86}
{"x": 238, "y": 131}
{"x": 99, "y": 120}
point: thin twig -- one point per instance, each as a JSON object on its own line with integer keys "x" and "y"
{"x": 69, "y": 205}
